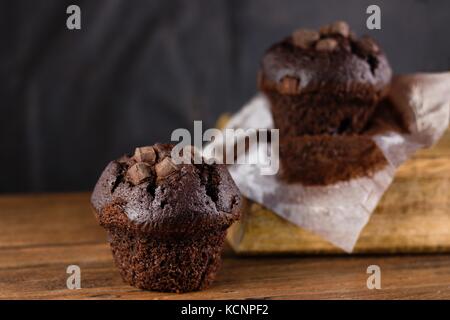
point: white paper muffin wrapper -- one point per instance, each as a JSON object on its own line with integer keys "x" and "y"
{"x": 339, "y": 212}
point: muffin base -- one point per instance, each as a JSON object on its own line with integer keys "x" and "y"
{"x": 323, "y": 159}
{"x": 327, "y": 112}
{"x": 168, "y": 265}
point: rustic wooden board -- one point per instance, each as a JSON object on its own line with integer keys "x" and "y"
{"x": 413, "y": 216}
{"x": 40, "y": 235}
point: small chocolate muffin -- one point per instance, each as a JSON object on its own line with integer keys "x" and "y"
{"x": 166, "y": 222}
{"x": 323, "y": 82}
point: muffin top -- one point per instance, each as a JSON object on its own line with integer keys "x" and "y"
{"x": 149, "y": 193}
{"x": 332, "y": 58}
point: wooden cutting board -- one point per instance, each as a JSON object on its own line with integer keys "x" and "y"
{"x": 413, "y": 216}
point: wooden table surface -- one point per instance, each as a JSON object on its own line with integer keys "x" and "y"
{"x": 40, "y": 235}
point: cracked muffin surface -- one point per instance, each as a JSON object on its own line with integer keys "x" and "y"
{"x": 192, "y": 198}
{"x": 166, "y": 222}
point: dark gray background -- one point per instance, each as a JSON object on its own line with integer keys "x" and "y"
{"x": 72, "y": 100}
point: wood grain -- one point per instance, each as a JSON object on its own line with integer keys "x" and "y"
{"x": 413, "y": 216}
{"x": 40, "y": 235}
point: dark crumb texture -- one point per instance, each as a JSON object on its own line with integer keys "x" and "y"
{"x": 328, "y": 113}
{"x": 166, "y": 222}
{"x": 324, "y": 160}
{"x": 174, "y": 264}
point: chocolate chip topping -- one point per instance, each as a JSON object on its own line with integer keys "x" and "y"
{"x": 165, "y": 168}
{"x": 139, "y": 173}
{"x": 304, "y": 38}
{"x": 340, "y": 28}
{"x": 148, "y": 160}
{"x": 162, "y": 150}
{"x": 334, "y": 56}
{"x": 337, "y": 28}
{"x": 145, "y": 154}
{"x": 324, "y": 30}
{"x": 326, "y": 45}
{"x": 367, "y": 45}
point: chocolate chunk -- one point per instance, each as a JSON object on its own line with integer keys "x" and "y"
{"x": 139, "y": 173}
{"x": 326, "y": 45}
{"x": 162, "y": 150}
{"x": 145, "y": 154}
{"x": 325, "y": 30}
{"x": 289, "y": 85}
{"x": 304, "y": 38}
{"x": 125, "y": 160}
{"x": 340, "y": 28}
{"x": 165, "y": 168}
{"x": 367, "y": 45}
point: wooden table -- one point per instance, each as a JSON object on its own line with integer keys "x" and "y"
{"x": 40, "y": 235}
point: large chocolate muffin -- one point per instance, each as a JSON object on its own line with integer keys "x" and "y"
{"x": 166, "y": 222}
{"x": 326, "y": 82}
{"x": 324, "y": 88}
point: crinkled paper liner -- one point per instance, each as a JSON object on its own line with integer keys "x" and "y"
{"x": 339, "y": 212}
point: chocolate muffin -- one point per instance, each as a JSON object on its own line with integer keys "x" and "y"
{"x": 324, "y": 87}
{"x": 323, "y": 82}
{"x": 166, "y": 222}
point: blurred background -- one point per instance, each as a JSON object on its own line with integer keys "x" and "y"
{"x": 70, "y": 101}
